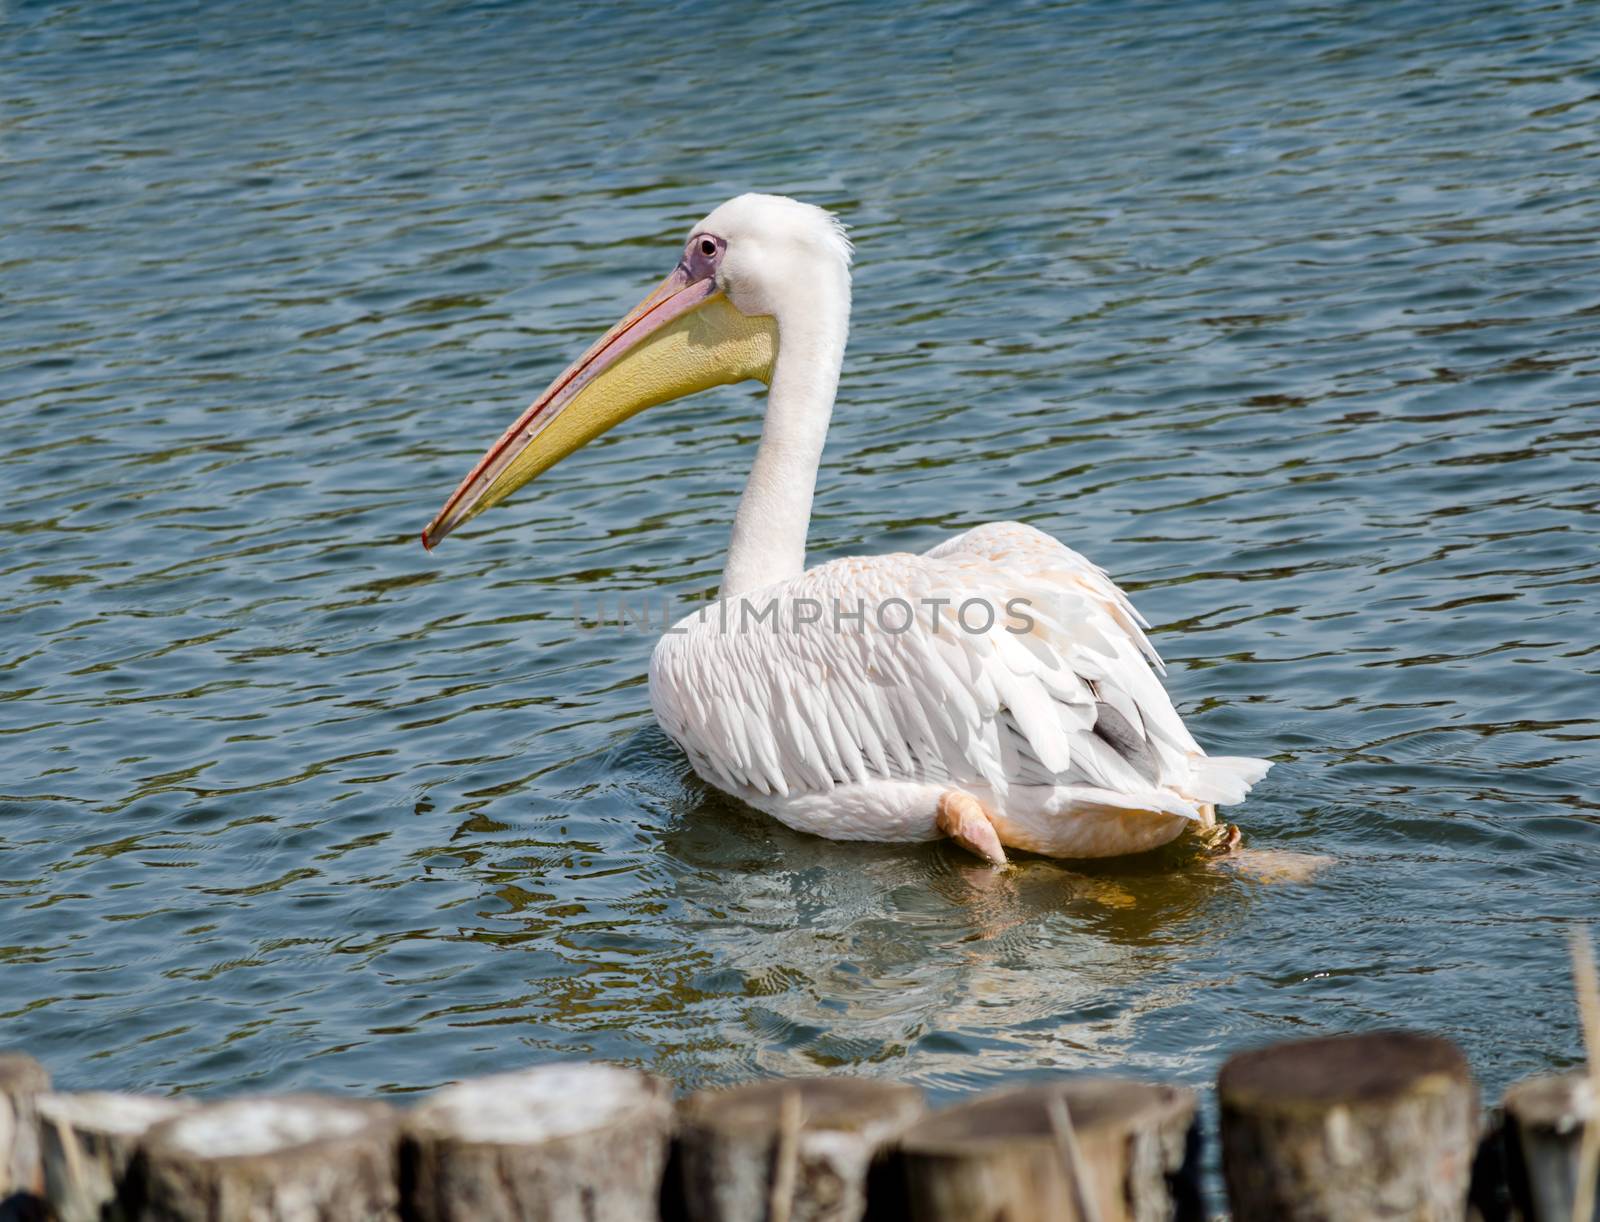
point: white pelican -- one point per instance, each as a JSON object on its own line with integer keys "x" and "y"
{"x": 998, "y": 690}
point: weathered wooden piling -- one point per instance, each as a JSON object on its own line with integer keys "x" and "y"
{"x": 1545, "y": 1121}
{"x": 269, "y": 1158}
{"x": 1351, "y": 1127}
{"x": 86, "y": 1142}
{"x": 552, "y": 1144}
{"x": 22, "y": 1081}
{"x": 786, "y": 1151}
{"x": 1080, "y": 1150}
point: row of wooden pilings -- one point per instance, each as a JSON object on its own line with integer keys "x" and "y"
{"x": 1385, "y": 1125}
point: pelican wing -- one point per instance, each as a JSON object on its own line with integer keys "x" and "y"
{"x": 998, "y": 659}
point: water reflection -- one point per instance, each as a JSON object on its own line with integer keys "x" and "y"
{"x": 789, "y": 954}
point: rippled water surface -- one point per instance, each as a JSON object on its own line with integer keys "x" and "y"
{"x": 1287, "y": 314}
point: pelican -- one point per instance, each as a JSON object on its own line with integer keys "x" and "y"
{"x": 998, "y": 690}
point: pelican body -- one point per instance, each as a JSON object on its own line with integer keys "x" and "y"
{"x": 998, "y": 690}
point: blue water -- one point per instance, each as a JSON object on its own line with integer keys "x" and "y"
{"x": 1289, "y": 315}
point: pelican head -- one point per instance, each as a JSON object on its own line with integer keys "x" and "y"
{"x": 758, "y": 268}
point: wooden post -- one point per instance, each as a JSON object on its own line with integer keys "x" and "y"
{"x": 559, "y": 1142}
{"x": 1349, "y": 1127}
{"x": 268, "y": 1158}
{"x": 85, "y": 1144}
{"x": 1080, "y": 1150}
{"x": 22, "y": 1080}
{"x": 786, "y": 1151}
{"x": 1545, "y": 1118}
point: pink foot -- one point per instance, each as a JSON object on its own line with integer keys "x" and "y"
{"x": 962, "y": 818}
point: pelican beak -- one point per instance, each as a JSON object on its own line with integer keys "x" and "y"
{"x": 684, "y": 337}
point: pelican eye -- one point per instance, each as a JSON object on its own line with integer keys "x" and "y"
{"x": 707, "y": 247}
